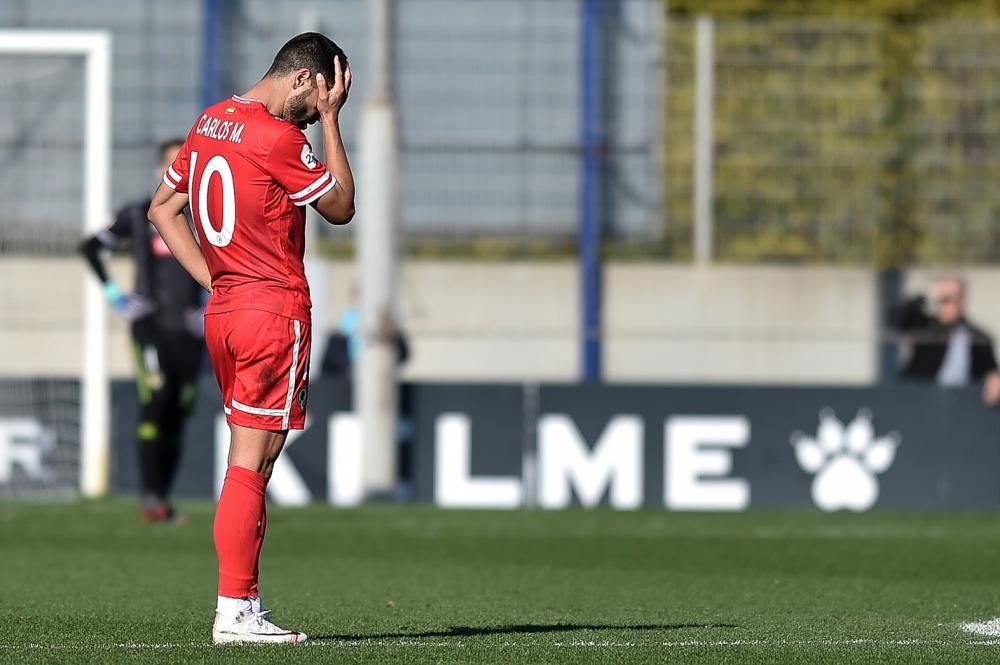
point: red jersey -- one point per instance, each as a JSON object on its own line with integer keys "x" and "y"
{"x": 249, "y": 176}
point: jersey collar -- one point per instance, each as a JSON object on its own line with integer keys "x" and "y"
{"x": 247, "y": 100}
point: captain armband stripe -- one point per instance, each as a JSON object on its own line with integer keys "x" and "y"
{"x": 297, "y": 197}
{"x": 317, "y": 195}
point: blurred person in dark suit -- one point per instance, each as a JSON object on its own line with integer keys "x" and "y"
{"x": 945, "y": 347}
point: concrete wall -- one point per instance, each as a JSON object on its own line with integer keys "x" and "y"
{"x": 518, "y": 321}
{"x": 759, "y": 324}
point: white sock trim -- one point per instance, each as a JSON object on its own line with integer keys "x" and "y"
{"x": 232, "y": 606}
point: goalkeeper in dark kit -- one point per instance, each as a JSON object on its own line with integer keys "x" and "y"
{"x": 165, "y": 314}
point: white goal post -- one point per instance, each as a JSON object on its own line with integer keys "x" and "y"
{"x": 95, "y": 48}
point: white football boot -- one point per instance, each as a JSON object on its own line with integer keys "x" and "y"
{"x": 238, "y": 623}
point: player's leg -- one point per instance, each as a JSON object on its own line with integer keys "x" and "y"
{"x": 170, "y": 418}
{"x": 295, "y": 395}
{"x": 239, "y": 517}
{"x": 169, "y": 452}
{"x": 150, "y": 381}
{"x": 183, "y": 354}
{"x": 269, "y": 353}
{"x": 246, "y": 452}
{"x": 238, "y": 526}
{"x": 238, "y": 531}
{"x": 255, "y": 587}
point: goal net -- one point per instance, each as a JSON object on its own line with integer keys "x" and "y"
{"x": 54, "y": 147}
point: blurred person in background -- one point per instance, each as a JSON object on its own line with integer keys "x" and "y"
{"x": 165, "y": 314}
{"x": 343, "y": 343}
{"x": 944, "y": 346}
{"x": 342, "y": 355}
{"x": 343, "y": 349}
{"x": 349, "y": 325}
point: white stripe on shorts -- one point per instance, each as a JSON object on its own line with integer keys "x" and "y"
{"x": 257, "y": 411}
{"x": 291, "y": 375}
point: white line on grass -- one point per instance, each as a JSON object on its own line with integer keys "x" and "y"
{"x": 101, "y": 647}
{"x": 824, "y": 642}
{"x": 575, "y": 644}
{"x": 990, "y": 628}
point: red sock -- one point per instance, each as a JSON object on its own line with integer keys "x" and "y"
{"x": 237, "y": 530}
{"x": 260, "y": 544}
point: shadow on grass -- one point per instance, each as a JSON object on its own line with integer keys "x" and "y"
{"x": 517, "y": 629}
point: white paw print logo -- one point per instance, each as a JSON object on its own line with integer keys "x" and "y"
{"x": 845, "y": 460}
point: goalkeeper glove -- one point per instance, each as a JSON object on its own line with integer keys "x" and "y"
{"x": 129, "y": 307}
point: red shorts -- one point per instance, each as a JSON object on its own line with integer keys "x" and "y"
{"x": 261, "y": 361}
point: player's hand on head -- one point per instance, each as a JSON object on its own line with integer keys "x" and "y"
{"x": 332, "y": 99}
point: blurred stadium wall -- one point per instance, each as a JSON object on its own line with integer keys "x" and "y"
{"x": 841, "y": 145}
{"x": 488, "y": 320}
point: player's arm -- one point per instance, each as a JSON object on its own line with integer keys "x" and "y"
{"x": 166, "y": 212}
{"x": 337, "y": 205}
{"x": 93, "y": 248}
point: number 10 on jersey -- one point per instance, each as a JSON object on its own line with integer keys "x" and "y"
{"x": 216, "y": 165}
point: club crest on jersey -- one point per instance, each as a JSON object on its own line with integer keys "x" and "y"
{"x": 308, "y": 158}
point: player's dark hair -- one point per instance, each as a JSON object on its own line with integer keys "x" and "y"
{"x": 175, "y": 142}
{"x": 311, "y": 51}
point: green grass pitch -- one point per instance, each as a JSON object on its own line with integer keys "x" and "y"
{"x": 87, "y": 583}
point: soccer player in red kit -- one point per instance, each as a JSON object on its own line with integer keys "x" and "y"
{"x": 247, "y": 172}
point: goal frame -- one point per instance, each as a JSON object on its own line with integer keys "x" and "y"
{"x": 94, "y": 46}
